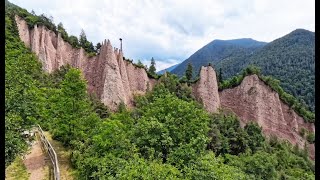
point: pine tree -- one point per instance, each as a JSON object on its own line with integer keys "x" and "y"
{"x": 82, "y": 38}
{"x": 189, "y": 72}
{"x": 63, "y": 32}
{"x": 152, "y": 68}
{"x": 140, "y": 63}
{"x": 98, "y": 46}
{"x": 220, "y": 76}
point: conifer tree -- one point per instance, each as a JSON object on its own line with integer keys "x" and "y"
{"x": 189, "y": 72}
{"x": 98, "y": 46}
{"x": 220, "y": 76}
{"x": 82, "y": 38}
{"x": 152, "y": 68}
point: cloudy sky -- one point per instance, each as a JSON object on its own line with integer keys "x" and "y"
{"x": 171, "y": 31}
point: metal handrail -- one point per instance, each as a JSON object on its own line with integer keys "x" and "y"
{"x": 51, "y": 152}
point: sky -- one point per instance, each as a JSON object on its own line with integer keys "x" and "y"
{"x": 170, "y": 31}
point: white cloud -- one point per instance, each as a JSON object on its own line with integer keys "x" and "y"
{"x": 170, "y": 31}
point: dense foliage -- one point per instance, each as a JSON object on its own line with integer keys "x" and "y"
{"x": 23, "y": 73}
{"x": 167, "y": 135}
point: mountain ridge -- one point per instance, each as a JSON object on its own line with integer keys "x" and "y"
{"x": 289, "y": 55}
{"x": 169, "y": 69}
{"x": 289, "y": 59}
{"x": 216, "y": 51}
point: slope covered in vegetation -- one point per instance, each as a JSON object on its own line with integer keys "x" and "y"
{"x": 167, "y": 136}
{"x": 217, "y": 51}
{"x": 290, "y": 59}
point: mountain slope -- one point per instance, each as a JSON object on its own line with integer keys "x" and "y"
{"x": 218, "y": 50}
{"x": 289, "y": 59}
{"x": 169, "y": 69}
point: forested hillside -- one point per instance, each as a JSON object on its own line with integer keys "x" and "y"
{"x": 289, "y": 59}
{"x": 219, "y": 50}
{"x": 169, "y": 69}
{"x": 167, "y": 135}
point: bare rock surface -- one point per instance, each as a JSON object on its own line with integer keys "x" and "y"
{"x": 253, "y": 100}
{"x": 111, "y": 78}
{"x": 206, "y": 89}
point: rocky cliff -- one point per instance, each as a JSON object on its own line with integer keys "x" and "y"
{"x": 111, "y": 78}
{"x": 253, "y": 100}
{"x": 115, "y": 80}
{"x": 205, "y": 89}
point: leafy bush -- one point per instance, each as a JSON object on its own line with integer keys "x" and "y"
{"x": 302, "y": 132}
{"x": 311, "y": 137}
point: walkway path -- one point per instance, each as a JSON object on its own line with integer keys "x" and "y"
{"x": 36, "y": 163}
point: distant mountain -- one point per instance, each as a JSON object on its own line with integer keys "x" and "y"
{"x": 289, "y": 59}
{"x": 218, "y": 50}
{"x": 169, "y": 69}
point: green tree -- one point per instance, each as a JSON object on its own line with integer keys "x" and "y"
{"x": 255, "y": 137}
{"x": 140, "y": 63}
{"x": 74, "y": 41}
{"x": 189, "y": 72}
{"x": 139, "y": 168}
{"x": 71, "y": 110}
{"x": 210, "y": 167}
{"x": 152, "y": 68}
{"x": 220, "y": 79}
{"x": 227, "y": 136}
{"x": 82, "y": 38}
{"x": 14, "y": 143}
{"x": 98, "y": 46}
{"x": 63, "y": 32}
{"x": 311, "y": 137}
{"x": 158, "y": 135}
{"x": 260, "y": 165}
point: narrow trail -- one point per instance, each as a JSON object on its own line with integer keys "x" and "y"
{"x": 36, "y": 162}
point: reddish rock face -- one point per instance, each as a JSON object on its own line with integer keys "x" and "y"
{"x": 253, "y": 100}
{"x": 108, "y": 75}
{"x": 206, "y": 89}
{"x": 115, "y": 81}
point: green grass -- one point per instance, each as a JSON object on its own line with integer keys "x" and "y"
{"x": 17, "y": 170}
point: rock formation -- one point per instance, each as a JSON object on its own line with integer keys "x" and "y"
{"x": 206, "y": 89}
{"x": 114, "y": 81}
{"x": 111, "y": 78}
{"x": 253, "y": 100}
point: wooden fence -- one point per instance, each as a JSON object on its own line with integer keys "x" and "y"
{"x": 51, "y": 152}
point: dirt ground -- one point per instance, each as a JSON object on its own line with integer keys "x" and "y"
{"x": 36, "y": 162}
